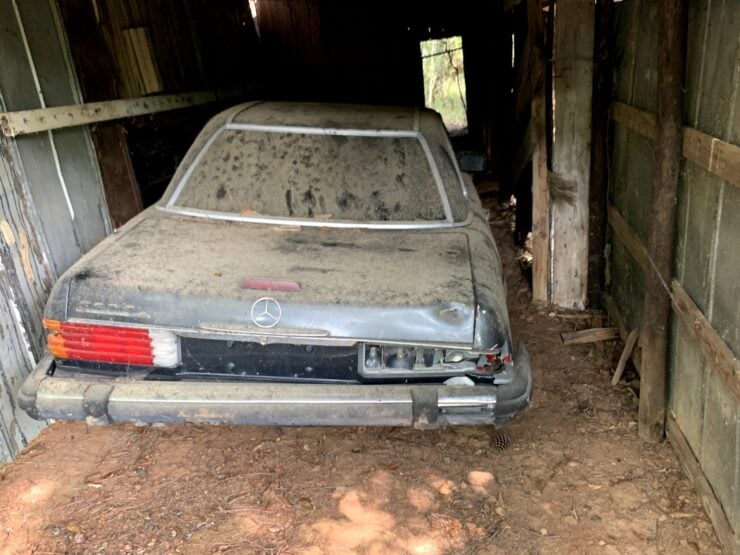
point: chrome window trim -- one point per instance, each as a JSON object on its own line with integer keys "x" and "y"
{"x": 191, "y": 168}
{"x": 459, "y": 173}
{"x": 169, "y": 205}
{"x": 296, "y": 222}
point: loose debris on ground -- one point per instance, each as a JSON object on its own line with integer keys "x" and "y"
{"x": 568, "y": 476}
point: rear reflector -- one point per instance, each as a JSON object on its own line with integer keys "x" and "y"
{"x": 267, "y": 284}
{"x": 114, "y": 344}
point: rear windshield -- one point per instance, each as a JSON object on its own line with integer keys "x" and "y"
{"x": 306, "y": 176}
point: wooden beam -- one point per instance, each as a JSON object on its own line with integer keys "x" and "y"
{"x": 599, "y": 170}
{"x": 34, "y": 121}
{"x": 656, "y": 312}
{"x": 528, "y": 78}
{"x": 624, "y": 332}
{"x": 122, "y": 193}
{"x": 571, "y": 152}
{"x": 540, "y": 173}
{"x": 540, "y": 205}
{"x": 634, "y": 119}
{"x": 629, "y": 346}
{"x": 714, "y": 155}
{"x": 627, "y": 237}
{"x": 713, "y": 347}
{"x": 718, "y": 157}
{"x": 696, "y": 475}
{"x": 592, "y": 335}
{"x": 523, "y": 153}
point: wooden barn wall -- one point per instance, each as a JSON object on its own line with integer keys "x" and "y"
{"x": 707, "y": 256}
{"x": 134, "y": 48}
{"x": 52, "y": 208}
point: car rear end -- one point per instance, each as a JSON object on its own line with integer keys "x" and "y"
{"x": 347, "y": 284}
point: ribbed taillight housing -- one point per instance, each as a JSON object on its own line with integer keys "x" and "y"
{"x": 113, "y": 344}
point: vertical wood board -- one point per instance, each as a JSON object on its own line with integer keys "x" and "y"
{"x": 572, "y": 86}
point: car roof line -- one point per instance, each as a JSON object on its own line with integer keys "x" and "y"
{"x": 247, "y": 106}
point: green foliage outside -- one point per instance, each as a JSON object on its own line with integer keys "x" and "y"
{"x": 444, "y": 81}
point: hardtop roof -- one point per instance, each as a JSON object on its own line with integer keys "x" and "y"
{"x": 328, "y": 115}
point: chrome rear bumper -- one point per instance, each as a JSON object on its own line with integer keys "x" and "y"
{"x": 101, "y": 400}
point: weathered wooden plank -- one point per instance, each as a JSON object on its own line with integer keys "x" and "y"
{"x": 523, "y": 153}
{"x": 540, "y": 173}
{"x": 689, "y": 371}
{"x": 697, "y": 231}
{"x": 628, "y": 238}
{"x": 33, "y": 121}
{"x": 616, "y": 317}
{"x": 59, "y": 167}
{"x": 599, "y": 169}
{"x": 725, "y": 293}
{"x": 639, "y": 121}
{"x": 715, "y": 350}
{"x": 629, "y": 346}
{"x": 571, "y": 152}
{"x": 718, "y": 157}
{"x": 122, "y": 193}
{"x": 25, "y": 279}
{"x": 701, "y": 484}
{"x": 656, "y": 312}
{"x": 138, "y": 49}
{"x": 540, "y": 206}
{"x": 714, "y": 155}
{"x": 719, "y": 455}
{"x": 592, "y": 335}
{"x": 645, "y": 67}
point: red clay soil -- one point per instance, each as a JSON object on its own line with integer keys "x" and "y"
{"x": 568, "y": 476}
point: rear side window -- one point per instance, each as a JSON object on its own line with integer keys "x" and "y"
{"x": 314, "y": 176}
{"x": 439, "y": 144}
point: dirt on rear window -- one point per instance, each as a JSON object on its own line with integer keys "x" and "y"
{"x": 297, "y": 175}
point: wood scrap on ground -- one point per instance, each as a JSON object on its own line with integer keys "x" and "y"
{"x": 589, "y": 336}
{"x": 626, "y": 353}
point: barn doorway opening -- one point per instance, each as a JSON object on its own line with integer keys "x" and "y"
{"x": 443, "y": 66}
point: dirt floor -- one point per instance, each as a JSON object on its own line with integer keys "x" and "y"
{"x": 568, "y": 476}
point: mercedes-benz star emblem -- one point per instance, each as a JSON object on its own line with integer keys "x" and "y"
{"x": 266, "y": 312}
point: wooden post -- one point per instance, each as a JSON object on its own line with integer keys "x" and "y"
{"x": 657, "y": 303}
{"x": 540, "y": 205}
{"x": 573, "y": 49}
{"x": 597, "y": 198}
{"x": 540, "y": 174}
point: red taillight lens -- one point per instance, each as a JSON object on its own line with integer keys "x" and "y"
{"x": 122, "y": 345}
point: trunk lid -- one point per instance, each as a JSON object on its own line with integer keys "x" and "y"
{"x": 188, "y": 273}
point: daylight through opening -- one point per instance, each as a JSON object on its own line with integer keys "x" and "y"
{"x": 444, "y": 81}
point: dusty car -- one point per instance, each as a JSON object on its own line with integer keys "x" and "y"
{"x": 309, "y": 264}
